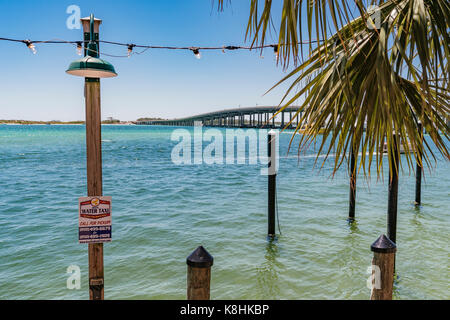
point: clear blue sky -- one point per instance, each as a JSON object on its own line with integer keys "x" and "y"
{"x": 158, "y": 83}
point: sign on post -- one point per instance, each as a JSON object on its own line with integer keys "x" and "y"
{"x": 94, "y": 219}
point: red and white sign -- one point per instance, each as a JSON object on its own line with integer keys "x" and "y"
{"x": 94, "y": 222}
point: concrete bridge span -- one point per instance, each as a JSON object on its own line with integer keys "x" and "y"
{"x": 249, "y": 117}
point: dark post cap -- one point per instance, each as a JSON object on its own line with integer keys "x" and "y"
{"x": 384, "y": 245}
{"x": 200, "y": 258}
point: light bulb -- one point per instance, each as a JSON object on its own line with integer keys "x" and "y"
{"x": 31, "y": 46}
{"x": 275, "y": 50}
{"x": 130, "y": 49}
{"x": 196, "y": 53}
{"x": 79, "y": 48}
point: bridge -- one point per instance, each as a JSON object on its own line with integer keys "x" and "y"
{"x": 250, "y": 117}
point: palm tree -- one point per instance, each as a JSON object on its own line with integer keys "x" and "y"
{"x": 384, "y": 72}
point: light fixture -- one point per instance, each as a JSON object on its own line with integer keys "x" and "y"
{"x": 30, "y": 46}
{"x": 196, "y": 52}
{"x": 91, "y": 66}
{"x": 79, "y": 47}
{"x": 130, "y": 49}
{"x": 275, "y": 50}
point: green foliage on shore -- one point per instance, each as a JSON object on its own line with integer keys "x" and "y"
{"x": 149, "y": 119}
{"x": 111, "y": 122}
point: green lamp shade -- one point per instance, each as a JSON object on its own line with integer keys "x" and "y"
{"x": 90, "y": 67}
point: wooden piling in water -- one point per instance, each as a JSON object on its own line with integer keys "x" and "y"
{"x": 393, "y": 191}
{"x": 352, "y": 200}
{"x": 272, "y": 182}
{"x": 419, "y": 169}
{"x": 383, "y": 268}
{"x": 199, "y": 264}
{"x": 94, "y": 182}
{"x": 94, "y": 168}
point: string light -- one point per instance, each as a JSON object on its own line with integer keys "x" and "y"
{"x": 79, "y": 47}
{"x": 196, "y": 52}
{"x": 30, "y": 46}
{"x": 130, "y": 49}
{"x": 275, "y": 50}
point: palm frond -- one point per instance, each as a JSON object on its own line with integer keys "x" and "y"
{"x": 369, "y": 81}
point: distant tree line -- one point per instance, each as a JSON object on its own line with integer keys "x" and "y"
{"x": 149, "y": 119}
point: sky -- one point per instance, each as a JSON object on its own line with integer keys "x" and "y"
{"x": 157, "y": 83}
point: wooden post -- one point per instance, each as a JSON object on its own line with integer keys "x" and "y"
{"x": 94, "y": 169}
{"x": 272, "y": 181}
{"x": 393, "y": 190}
{"x": 383, "y": 268}
{"x": 94, "y": 181}
{"x": 199, "y": 265}
{"x": 419, "y": 168}
{"x": 352, "y": 201}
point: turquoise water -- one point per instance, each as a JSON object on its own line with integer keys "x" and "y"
{"x": 163, "y": 211}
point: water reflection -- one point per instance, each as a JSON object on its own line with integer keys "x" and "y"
{"x": 417, "y": 218}
{"x": 353, "y": 226}
{"x": 267, "y": 273}
{"x": 352, "y": 267}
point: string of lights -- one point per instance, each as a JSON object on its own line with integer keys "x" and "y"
{"x": 130, "y": 46}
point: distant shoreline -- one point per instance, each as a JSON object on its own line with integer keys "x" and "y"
{"x": 56, "y": 123}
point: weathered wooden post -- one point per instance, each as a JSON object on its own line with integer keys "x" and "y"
{"x": 419, "y": 168}
{"x": 383, "y": 268}
{"x": 94, "y": 167}
{"x": 393, "y": 190}
{"x": 199, "y": 265}
{"x": 272, "y": 180}
{"x": 352, "y": 200}
{"x": 92, "y": 68}
{"x": 94, "y": 184}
